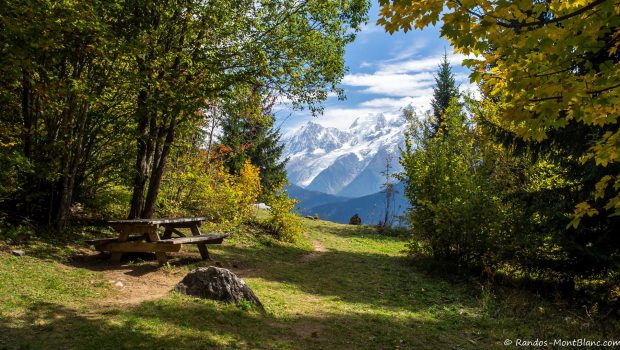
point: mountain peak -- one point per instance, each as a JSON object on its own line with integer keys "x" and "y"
{"x": 381, "y": 121}
{"x": 310, "y": 125}
{"x": 314, "y": 138}
{"x": 332, "y": 160}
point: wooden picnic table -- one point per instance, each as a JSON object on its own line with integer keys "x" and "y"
{"x": 141, "y": 235}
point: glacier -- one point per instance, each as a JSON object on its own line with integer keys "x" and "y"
{"x": 346, "y": 163}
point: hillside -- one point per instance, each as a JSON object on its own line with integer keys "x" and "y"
{"x": 308, "y": 199}
{"x": 371, "y": 208}
{"x": 342, "y": 287}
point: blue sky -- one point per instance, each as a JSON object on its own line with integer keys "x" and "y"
{"x": 386, "y": 73}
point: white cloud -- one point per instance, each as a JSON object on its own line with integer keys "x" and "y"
{"x": 366, "y": 64}
{"x": 419, "y": 65}
{"x": 471, "y": 89}
{"x": 390, "y": 84}
{"x": 398, "y": 82}
{"x": 371, "y": 28}
{"x": 343, "y": 117}
{"x": 408, "y": 49}
{"x": 386, "y": 102}
{"x": 404, "y": 78}
{"x": 419, "y": 102}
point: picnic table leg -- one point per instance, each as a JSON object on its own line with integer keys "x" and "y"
{"x": 116, "y": 256}
{"x": 204, "y": 252}
{"x": 167, "y": 233}
{"x": 153, "y": 237}
{"x": 169, "y": 230}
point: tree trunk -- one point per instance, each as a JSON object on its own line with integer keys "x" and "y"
{"x": 158, "y": 171}
{"x": 211, "y": 132}
{"x": 141, "y": 167}
{"x": 64, "y": 202}
{"x": 27, "y": 115}
{"x": 71, "y": 163}
{"x": 74, "y": 155}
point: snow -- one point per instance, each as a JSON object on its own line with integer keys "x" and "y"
{"x": 313, "y": 148}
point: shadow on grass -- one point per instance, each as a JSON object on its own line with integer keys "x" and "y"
{"x": 136, "y": 264}
{"x": 378, "y": 280}
{"x": 50, "y": 326}
{"x": 387, "y": 304}
{"x": 181, "y": 322}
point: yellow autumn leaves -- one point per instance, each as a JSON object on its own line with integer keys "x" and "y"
{"x": 549, "y": 64}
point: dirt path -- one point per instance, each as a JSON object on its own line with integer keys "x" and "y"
{"x": 134, "y": 289}
{"x": 135, "y": 283}
{"x": 139, "y": 282}
{"x": 319, "y": 249}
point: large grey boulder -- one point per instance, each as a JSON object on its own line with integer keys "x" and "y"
{"x": 218, "y": 284}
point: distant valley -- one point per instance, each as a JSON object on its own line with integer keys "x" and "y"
{"x": 370, "y": 208}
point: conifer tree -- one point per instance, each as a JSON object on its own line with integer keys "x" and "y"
{"x": 258, "y": 141}
{"x": 445, "y": 90}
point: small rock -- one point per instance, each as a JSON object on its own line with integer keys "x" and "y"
{"x": 217, "y": 284}
{"x": 18, "y": 252}
{"x": 119, "y": 284}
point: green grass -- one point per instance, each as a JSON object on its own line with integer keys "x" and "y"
{"x": 27, "y": 281}
{"x": 360, "y": 293}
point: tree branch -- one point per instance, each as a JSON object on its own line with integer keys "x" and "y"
{"x": 591, "y": 92}
{"x": 554, "y": 20}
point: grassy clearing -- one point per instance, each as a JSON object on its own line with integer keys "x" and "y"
{"x": 357, "y": 292}
{"x": 27, "y": 281}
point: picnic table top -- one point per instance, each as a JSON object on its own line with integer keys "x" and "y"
{"x": 159, "y": 221}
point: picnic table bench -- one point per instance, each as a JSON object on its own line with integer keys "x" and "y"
{"x": 141, "y": 235}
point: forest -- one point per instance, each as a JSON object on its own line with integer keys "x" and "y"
{"x": 137, "y": 109}
{"x": 109, "y": 108}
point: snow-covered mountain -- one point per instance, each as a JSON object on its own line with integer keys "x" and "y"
{"x": 344, "y": 162}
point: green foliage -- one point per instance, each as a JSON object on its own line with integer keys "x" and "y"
{"x": 95, "y": 96}
{"x": 190, "y": 188}
{"x": 282, "y": 222}
{"x": 546, "y": 132}
{"x": 13, "y": 164}
{"x": 444, "y": 92}
{"x": 495, "y": 207}
{"x": 59, "y": 103}
{"x": 21, "y": 232}
{"x": 456, "y": 210}
{"x": 248, "y": 134}
{"x": 109, "y": 202}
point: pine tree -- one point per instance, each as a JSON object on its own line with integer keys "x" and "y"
{"x": 445, "y": 90}
{"x": 389, "y": 190}
{"x": 258, "y": 141}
